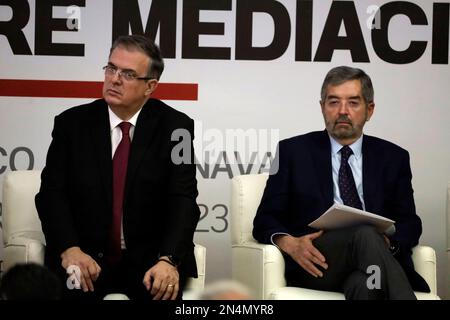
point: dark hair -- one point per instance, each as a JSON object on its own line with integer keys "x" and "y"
{"x": 339, "y": 75}
{"x": 145, "y": 45}
{"x": 30, "y": 282}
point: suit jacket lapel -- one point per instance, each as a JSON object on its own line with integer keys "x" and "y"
{"x": 101, "y": 138}
{"x": 144, "y": 132}
{"x": 371, "y": 171}
{"x": 322, "y": 157}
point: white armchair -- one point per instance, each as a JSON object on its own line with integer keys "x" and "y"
{"x": 23, "y": 239}
{"x": 198, "y": 284}
{"x": 261, "y": 266}
{"x": 448, "y": 241}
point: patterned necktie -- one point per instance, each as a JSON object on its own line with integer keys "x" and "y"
{"x": 347, "y": 186}
{"x": 120, "y": 163}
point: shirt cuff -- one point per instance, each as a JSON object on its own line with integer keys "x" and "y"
{"x": 277, "y": 234}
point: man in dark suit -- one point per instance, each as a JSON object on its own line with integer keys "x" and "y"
{"x": 341, "y": 165}
{"x": 117, "y": 204}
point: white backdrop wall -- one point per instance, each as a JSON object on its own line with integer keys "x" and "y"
{"x": 267, "y": 85}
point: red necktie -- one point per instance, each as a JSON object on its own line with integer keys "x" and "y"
{"x": 120, "y": 162}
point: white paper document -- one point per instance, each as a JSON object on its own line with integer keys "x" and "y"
{"x": 341, "y": 216}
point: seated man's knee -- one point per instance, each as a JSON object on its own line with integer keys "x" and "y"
{"x": 366, "y": 232}
{"x": 367, "y": 236}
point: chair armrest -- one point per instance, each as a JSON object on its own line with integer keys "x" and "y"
{"x": 22, "y": 250}
{"x": 258, "y": 266}
{"x": 200, "y": 259}
{"x": 424, "y": 259}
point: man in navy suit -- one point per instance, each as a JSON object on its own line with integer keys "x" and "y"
{"x": 117, "y": 209}
{"x": 342, "y": 165}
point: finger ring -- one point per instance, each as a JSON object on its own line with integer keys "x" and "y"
{"x": 170, "y": 285}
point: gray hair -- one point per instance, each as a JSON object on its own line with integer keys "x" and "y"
{"x": 145, "y": 45}
{"x": 339, "y": 75}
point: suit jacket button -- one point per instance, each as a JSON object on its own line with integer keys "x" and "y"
{"x": 100, "y": 255}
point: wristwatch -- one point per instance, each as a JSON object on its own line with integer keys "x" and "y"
{"x": 171, "y": 258}
{"x": 174, "y": 260}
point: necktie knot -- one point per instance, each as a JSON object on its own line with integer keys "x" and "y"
{"x": 125, "y": 127}
{"x": 346, "y": 152}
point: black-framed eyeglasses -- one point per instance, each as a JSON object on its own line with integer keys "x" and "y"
{"x": 127, "y": 75}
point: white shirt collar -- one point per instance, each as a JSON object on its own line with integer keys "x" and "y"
{"x": 114, "y": 120}
{"x": 355, "y": 146}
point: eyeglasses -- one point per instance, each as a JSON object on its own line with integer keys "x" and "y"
{"x": 127, "y": 75}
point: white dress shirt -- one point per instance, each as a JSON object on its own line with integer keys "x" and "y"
{"x": 116, "y": 132}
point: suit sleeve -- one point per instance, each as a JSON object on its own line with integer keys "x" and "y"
{"x": 272, "y": 214}
{"x": 183, "y": 212}
{"x": 52, "y": 201}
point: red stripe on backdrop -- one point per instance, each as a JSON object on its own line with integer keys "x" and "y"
{"x": 87, "y": 89}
